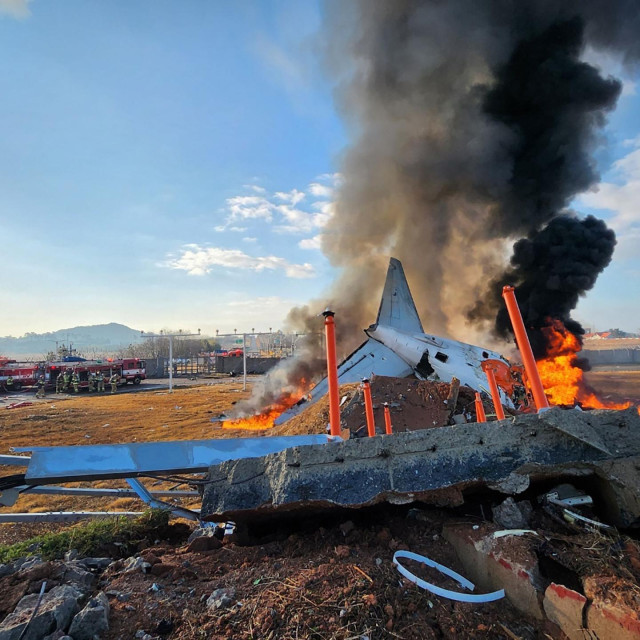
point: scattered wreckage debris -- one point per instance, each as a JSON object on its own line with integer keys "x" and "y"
{"x": 438, "y": 466}
{"x": 413, "y": 404}
{"x": 439, "y": 591}
{"x": 397, "y": 346}
{"x": 50, "y": 465}
{"x": 340, "y": 580}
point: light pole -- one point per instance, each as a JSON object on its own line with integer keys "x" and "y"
{"x": 171, "y": 336}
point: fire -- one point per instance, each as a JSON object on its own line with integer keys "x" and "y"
{"x": 562, "y": 378}
{"x": 266, "y": 418}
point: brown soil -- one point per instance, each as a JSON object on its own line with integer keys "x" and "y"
{"x": 617, "y": 386}
{"x": 325, "y": 580}
{"x": 413, "y": 404}
{"x": 335, "y": 582}
{"x": 184, "y": 414}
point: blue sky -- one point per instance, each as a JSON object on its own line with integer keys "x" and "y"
{"x": 171, "y": 164}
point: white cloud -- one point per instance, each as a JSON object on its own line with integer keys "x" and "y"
{"x": 271, "y": 302}
{"x": 16, "y": 8}
{"x": 245, "y": 207}
{"x": 283, "y": 208}
{"x": 623, "y": 196}
{"x": 311, "y": 243}
{"x": 298, "y": 221}
{"x": 198, "y": 261}
{"x": 249, "y": 239}
{"x": 320, "y": 190}
{"x": 254, "y": 187}
{"x": 326, "y": 211}
{"x": 294, "y": 196}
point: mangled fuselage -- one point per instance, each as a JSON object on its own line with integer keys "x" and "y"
{"x": 399, "y": 347}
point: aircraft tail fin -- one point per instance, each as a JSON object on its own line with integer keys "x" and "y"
{"x": 397, "y": 308}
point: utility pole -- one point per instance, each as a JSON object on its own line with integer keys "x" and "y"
{"x": 171, "y": 336}
{"x": 244, "y": 361}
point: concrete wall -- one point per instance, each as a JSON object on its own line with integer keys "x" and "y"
{"x": 612, "y": 356}
{"x": 155, "y": 367}
{"x": 254, "y": 365}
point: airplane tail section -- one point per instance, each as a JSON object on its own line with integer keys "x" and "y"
{"x": 397, "y": 308}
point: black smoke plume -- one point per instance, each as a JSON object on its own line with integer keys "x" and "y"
{"x": 474, "y": 124}
{"x": 551, "y": 270}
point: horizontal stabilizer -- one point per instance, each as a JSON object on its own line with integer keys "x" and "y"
{"x": 370, "y": 358}
{"x": 397, "y": 308}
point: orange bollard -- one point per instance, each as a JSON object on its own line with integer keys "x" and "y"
{"x": 387, "y": 419}
{"x": 524, "y": 346}
{"x": 493, "y": 386}
{"x": 332, "y": 372}
{"x": 368, "y": 407}
{"x": 480, "y": 415}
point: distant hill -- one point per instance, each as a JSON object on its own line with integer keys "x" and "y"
{"x": 108, "y": 337}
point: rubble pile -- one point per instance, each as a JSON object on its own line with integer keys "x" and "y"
{"x": 414, "y": 404}
{"x": 336, "y": 579}
{"x": 438, "y": 466}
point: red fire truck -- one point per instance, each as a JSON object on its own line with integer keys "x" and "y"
{"x": 24, "y": 374}
{"x": 129, "y": 369}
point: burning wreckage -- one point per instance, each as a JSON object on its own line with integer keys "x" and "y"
{"x": 254, "y": 481}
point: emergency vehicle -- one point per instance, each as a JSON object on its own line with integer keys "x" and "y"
{"x": 24, "y": 374}
{"x": 129, "y": 369}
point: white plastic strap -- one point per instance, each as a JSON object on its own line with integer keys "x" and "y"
{"x": 439, "y": 591}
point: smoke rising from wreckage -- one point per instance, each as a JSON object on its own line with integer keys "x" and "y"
{"x": 474, "y": 125}
{"x": 399, "y": 347}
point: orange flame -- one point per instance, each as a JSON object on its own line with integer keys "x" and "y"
{"x": 266, "y": 418}
{"x": 562, "y": 378}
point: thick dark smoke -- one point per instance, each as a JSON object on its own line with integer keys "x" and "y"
{"x": 473, "y": 123}
{"x": 553, "y": 105}
{"x": 551, "y": 270}
{"x": 473, "y": 126}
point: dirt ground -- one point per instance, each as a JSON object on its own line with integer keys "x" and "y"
{"x": 186, "y": 414}
{"x": 330, "y": 579}
{"x": 335, "y": 582}
{"x": 618, "y": 386}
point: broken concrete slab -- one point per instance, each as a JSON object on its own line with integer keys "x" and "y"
{"x": 55, "y": 612}
{"x": 435, "y": 466}
{"x": 93, "y": 620}
{"x": 512, "y": 515}
{"x": 495, "y": 564}
{"x": 565, "y": 607}
{"x": 613, "y": 609}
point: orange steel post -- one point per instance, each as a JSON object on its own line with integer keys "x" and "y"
{"x": 332, "y": 372}
{"x": 524, "y": 346}
{"x": 368, "y": 407}
{"x": 495, "y": 394}
{"x": 480, "y": 415}
{"x": 387, "y": 419}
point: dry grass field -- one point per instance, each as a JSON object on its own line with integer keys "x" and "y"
{"x": 184, "y": 414}
{"x": 620, "y": 386}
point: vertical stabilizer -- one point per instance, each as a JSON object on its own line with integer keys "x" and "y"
{"x": 397, "y": 308}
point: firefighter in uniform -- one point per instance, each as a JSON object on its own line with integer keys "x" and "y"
{"x": 114, "y": 382}
{"x": 66, "y": 380}
{"x": 9, "y": 384}
{"x": 40, "y": 392}
{"x": 92, "y": 382}
{"x": 75, "y": 381}
{"x": 59, "y": 383}
{"x": 100, "y": 381}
